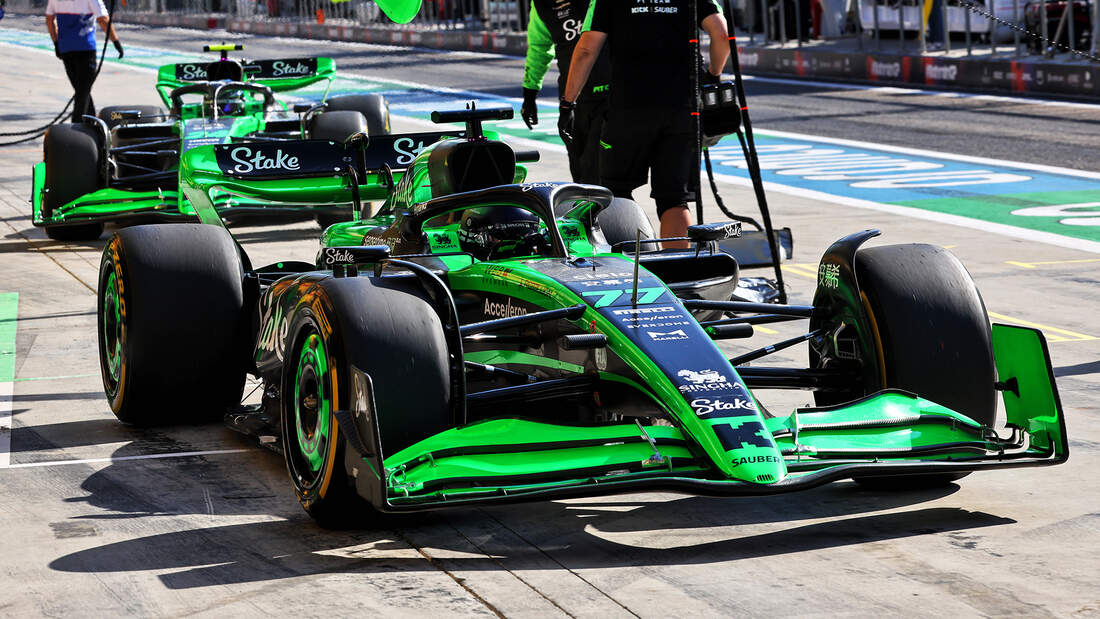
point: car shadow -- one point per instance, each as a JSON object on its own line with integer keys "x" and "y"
{"x": 274, "y": 550}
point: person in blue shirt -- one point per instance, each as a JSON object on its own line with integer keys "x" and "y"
{"x": 72, "y": 27}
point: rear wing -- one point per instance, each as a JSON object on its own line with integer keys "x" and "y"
{"x": 299, "y": 172}
{"x": 279, "y": 74}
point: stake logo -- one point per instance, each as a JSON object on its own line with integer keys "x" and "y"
{"x": 280, "y": 68}
{"x": 249, "y": 160}
{"x": 705, "y": 406}
{"x": 338, "y": 256}
{"x": 194, "y": 72}
{"x": 273, "y": 336}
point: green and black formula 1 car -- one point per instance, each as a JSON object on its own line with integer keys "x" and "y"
{"x": 122, "y": 165}
{"x": 481, "y": 340}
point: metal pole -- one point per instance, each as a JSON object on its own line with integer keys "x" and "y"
{"x": 923, "y": 27}
{"x": 764, "y": 21}
{"x": 968, "y": 46}
{"x": 878, "y": 41}
{"x": 1072, "y": 44}
{"x": 901, "y": 25}
{"x": 798, "y": 25}
{"x": 990, "y": 4}
{"x": 946, "y": 28}
{"x": 1016, "y": 20}
{"x": 1044, "y": 30}
{"x": 1095, "y": 26}
{"x": 859, "y": 11}
{"x": 782, "y": 23}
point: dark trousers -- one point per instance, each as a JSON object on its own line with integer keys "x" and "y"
{"x": 584, "y": 154}
{"x": 80, "y": 67}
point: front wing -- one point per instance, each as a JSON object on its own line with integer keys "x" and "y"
{"x": 886, "y": 434}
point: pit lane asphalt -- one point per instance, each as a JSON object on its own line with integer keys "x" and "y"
{"x": 88, "y": 532}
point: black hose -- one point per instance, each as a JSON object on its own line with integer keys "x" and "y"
{"x": 40, "y": 131}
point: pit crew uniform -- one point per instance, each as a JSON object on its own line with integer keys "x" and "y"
{"x": 552, "y": 30}
{"x": 76, "y": 47}
{"x": 649, "y": 124}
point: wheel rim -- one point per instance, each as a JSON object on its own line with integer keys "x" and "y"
{"x": 312, "y": 408}
{"x": 114, "y": 323}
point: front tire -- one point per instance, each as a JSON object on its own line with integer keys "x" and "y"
{"x": 932, "y": 332}
{"x": 72, "y": 154}
{"x": 171, "y": 324}
{"x": 388, "y": 330}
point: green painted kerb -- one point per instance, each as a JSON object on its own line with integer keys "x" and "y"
{"x": 9, "y": 314}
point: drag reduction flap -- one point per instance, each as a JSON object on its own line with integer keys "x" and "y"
{"x": 315, "y": 158}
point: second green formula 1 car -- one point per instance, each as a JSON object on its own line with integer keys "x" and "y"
{"x": 122, "y": 165}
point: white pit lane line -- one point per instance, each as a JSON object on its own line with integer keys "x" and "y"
{"x": 159, "y": 456}
{"x": 6, "y": 390}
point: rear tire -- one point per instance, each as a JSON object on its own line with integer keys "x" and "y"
{"x": 374, "y": 108}
{"x": 621, "y": 220}
{"x": 171, "y": 324}
{"x": 934, "y": 336}
{"x": 149, "y": 114}
{"x": 389, "y": 331}
{"x": 73, "y": 153}
{"x": 336, "y": 126}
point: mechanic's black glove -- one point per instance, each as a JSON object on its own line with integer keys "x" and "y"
{"x": 56, "y": 52}
{"x": 530, "y": 109}
{"x": 565, "y": 122}
{"x": 705, "y": 76}
{"x": 118, "y": 46}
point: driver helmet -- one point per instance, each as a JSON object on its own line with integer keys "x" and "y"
{"x": 231, "y": 103}
{"x": 501, "y": 232}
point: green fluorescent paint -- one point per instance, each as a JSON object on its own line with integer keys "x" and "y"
{"x": 1014, "y": 209}
{"x": 9, "y": 320}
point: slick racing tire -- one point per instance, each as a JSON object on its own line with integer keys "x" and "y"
{"x": 336, "y": 126}
{"x": 390, "y": 332}
{"x": 72, "y": 153}
{"x": 149, "y": 114}
{"x": 171, "y": 324}
{"x": 620, "y": 222}
{"x": 374, "y": 108}
{"x": 932, "y": 331}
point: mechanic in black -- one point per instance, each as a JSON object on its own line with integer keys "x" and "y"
{"x": 649, "y": 124}
{"x": 553, "y": 29}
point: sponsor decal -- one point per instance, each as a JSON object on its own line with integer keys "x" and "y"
{"x": 191, "y": 72}
{"x": 731, "y": 230}
{"x": 407, "y": 150}
{"x": 604, "y": 298}
{"x": 280, "y": 68}
{"x": 884, "y": 69}
{"x": 249, "y": 160}
{"x": 736, "y": 462}
{"x": 828, "y": 275}
{"x": 529, "y": 186}
{"x": 502, "y": 309}
{"x": 273, "y": 336}
{"x": 708, "y": 406}
{"x": 941, "y": 72}
{"x": 660, "y": 309}
{"x": 338, "y": 256}
{"x": 660, "y": 336}
{"x": 703, "y": 381}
